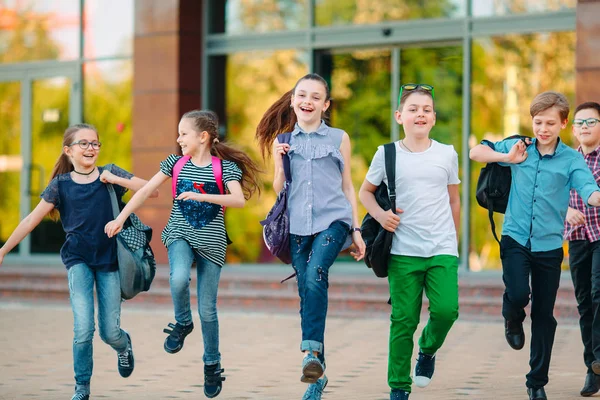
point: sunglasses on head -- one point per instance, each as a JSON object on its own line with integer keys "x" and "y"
{"x": 415, "y": 86}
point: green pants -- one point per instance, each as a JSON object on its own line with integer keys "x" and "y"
{"x": 408, "y": 276}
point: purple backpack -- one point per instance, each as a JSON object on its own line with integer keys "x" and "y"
{"x": 276, "y": 226}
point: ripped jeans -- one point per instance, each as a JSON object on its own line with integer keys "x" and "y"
{"x": 311, "y": 258}
{"x": 108, "y": 290}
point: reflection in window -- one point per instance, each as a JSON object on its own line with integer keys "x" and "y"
{"x": 508, "y": 72}
{"x": 107, "y": 104}
{"x": 33, "y": 30}
{"x": 483, "y": 8}
{"x": 108, "y": 33}
{"x": 335, "y": 12}
{"x": 254, "y": 81}
{"x": 11, "y": 162}
{"x": 242, "y": 16}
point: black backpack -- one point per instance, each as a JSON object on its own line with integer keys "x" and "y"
{"x": 378, "y": 241}
{"x": 493, "y": 186}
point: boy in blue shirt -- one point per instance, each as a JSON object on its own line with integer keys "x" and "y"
{"x": 543, "y": 172}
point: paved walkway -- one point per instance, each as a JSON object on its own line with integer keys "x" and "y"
{"x": 262, "y": 361}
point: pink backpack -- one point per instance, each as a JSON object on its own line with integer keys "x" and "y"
{"x": 217, "y": 171}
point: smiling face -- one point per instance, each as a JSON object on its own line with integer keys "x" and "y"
{"x": 309, "y": 101}
{"x": 547, "y": 125}
{"x": 417, "y": 115}
{"x": 588, "y": 137}
{"x": 189, "y": 139}
{"x": 83, "y": 159}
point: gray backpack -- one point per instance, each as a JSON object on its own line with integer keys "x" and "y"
{"x": 137, "y": 265}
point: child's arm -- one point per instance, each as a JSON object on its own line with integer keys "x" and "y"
{"x": 133, "y": 184}
{"x": 115, "y": 226}
{"x": 387, "y": 219}
{"x": 26, "y": 226}
{"x": 278, "y": 151}
{"x": 575, "y": 217}
{"x": 483, "y": 153}
{"x": 455, "y": 206}
{"x": 350, "y": 193}
{"x": 235, "y": 198}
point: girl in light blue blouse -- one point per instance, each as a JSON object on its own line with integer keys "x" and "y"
{"x": 321, "y": 205}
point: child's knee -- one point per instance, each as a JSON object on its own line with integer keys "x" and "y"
{"x": 83, "y": 334}
{"x": 208, "y": 313}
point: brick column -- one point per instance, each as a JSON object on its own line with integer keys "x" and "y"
{"x": 166, "y": 83}
{"x": 587, "y": 63}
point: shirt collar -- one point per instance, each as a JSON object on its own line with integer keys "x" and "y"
{"x": 321, "y": 130}
{"x": 595, "y": 151}
{"x": 560, "y": 147}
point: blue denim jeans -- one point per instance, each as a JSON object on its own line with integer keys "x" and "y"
{"x": 181, "y": 257}
{"x": 312, "y": 256}
{"x": 108, "y": 291}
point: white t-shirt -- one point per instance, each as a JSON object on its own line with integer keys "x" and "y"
{"x": 426, "y": 226}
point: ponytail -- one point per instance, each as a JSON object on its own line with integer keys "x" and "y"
{"x": 281, "y": 118}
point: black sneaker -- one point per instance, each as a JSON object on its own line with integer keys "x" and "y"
{"x": 125, "y": 359}
{"x": 424, "y": 369}
{"x": 177, "y": 334}
{"x": 396, "y": 394}
{"x": 213, "y": 381}
{"x": 80, "y": 396}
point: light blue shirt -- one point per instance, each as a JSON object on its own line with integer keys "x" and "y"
{"x": 539, "y": 194}
{"x": 316, "y": 198}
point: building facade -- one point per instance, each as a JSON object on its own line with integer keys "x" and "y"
{"x": 133, "y": 68}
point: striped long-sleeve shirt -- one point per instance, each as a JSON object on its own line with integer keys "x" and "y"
{"x": 591, "y": 230}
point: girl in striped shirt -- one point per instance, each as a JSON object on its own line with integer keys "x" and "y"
{"x": 196, "y": 228}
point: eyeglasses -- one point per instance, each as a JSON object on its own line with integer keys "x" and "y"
{"x": 84, "y": 144}
{"x": 415, "y": 86}
{"x": 590, "y": 122}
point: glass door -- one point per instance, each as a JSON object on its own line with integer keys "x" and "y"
{"x": 37, "y": 103}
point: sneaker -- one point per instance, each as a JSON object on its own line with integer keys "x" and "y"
{"x": 424, "y": 369}
{"x": 213, "y": 381}
{"x": 315, "y": 390}
{"x": 177, "y": 334}
{"x": 312, "y": 369}
{"x": 80, "y": 396}
{"x": 396, "y": 394}
{"x": 125, "y": 359}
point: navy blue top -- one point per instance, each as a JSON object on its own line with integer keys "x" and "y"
{"x": 84, "y": 211}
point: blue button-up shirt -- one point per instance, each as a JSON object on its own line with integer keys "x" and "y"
{"x": 316, "y": 198}
{"x": 539, "y": 194}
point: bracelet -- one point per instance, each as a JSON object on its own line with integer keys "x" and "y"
{"x": 352, "y": 230}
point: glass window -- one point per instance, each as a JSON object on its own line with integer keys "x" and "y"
{"x": 254, "y": 81}
{"x": 107, "y": 104}
{"x": 242, "y": 16}
{"x": 358, "y": 12}
{"x": 108, "y": 28}
{"x": 33, "y": 30}
{"x": 11, "y": 162}
{"x": 484, "y": 8}
{"x": 508, "y": 72}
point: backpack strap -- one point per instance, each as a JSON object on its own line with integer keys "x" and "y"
{"x": 491, "y": 216}
{"x": 390, "y": 172}
{"x": 287, "y": 170}
{"x": 176, "y": 170}
{"x": 217, "y": 167}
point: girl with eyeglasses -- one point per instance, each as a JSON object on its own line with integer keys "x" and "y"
{"x": 424, "y": 253}
{"x": 78, "y": 194}
{"x": 322, "y": 207}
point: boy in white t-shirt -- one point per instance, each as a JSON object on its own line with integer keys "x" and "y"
{"x": 425, "y": 246}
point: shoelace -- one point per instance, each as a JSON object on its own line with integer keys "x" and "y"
{"x": 79, "y": 396}
{"x": 124, "y": 359}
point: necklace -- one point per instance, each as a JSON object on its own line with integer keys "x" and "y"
{"x": 406, "y": 147}
{"x": 83, "y": 173}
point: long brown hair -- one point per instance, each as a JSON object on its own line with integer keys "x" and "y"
{"x": 63, "y": 164}
{"x": 281, "y": 118}
{"x": 207, "y": 120}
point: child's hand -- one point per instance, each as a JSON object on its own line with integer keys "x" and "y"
{"x": 388, "y": 220}
{"x": 113, "y": 228}
{"x": 108, "y": 177}
{"x": 190, "y": 196}
{"x": 359, "y": 246}
{"x": 518, "y": 153}
{"x": 282, "y": 148}
{"x": 575, "y": 217}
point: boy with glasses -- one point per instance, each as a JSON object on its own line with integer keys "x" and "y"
{"x": 543, "y": 173}
{"x": 582, "y": 230}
